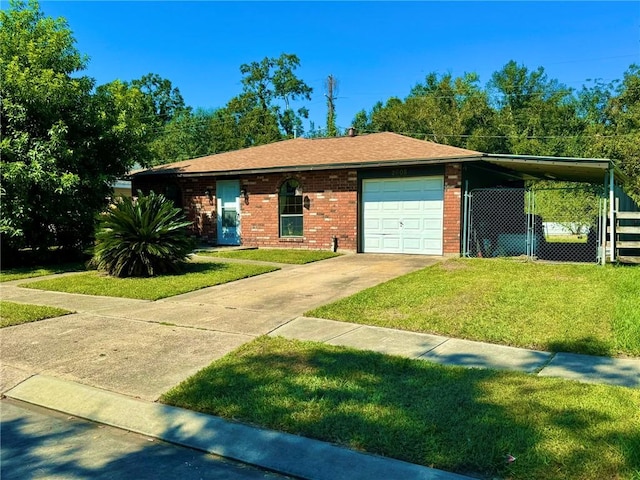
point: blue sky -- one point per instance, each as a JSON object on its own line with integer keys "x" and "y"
{"x": 375, "y": 49}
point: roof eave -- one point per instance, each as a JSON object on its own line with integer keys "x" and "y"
{"x": 318, "y": 167}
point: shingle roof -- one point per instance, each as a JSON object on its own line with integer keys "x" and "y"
{"x": 322, "y": 153}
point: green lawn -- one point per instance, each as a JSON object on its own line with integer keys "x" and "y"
{"x": 456, "y": 419}
{"x": 16, "y": 313}
{"x": 572, "y": 308}
{"x": 566, "y": 238}
{"x": 29, "y": 272}
{"x": 275, "y": 255}
{"x": 195, "y": 277}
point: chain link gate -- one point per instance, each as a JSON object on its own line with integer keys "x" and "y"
{"x": 563, "y": 224}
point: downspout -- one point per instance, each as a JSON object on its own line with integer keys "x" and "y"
{"x": 612, "y": 225}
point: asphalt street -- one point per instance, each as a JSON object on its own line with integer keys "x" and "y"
{"x": 37, "y": 443}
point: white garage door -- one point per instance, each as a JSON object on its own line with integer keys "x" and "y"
{"x": 403, "y": 215}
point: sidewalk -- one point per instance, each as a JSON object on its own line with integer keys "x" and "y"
{"x": 451, "y": 351}
{"x": 109, "y": 362}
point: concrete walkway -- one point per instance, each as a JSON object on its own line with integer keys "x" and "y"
{"x": 142, "y": 348}
{"x": 451, "y": 351}
{"x": 113, "y": 358}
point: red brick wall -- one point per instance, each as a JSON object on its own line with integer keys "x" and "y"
{"x": 198, "y": 207}
{"x": 332, "y": 211}
{"x": 452, "y": 208}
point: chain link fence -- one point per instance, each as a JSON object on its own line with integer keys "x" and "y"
{"x": 560, "y": 224}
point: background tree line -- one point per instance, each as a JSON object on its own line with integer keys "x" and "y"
{"x": 65, "y": 140}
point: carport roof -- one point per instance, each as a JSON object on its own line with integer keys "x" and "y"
{"x": 375, "y": 150}
{"x": 555, "y": 168}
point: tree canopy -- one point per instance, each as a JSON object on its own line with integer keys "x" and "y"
{"x": 63, "y": 141}
{"x": 521, "y": 111}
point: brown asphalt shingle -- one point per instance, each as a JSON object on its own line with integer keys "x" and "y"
{"x": 322, "y": 152}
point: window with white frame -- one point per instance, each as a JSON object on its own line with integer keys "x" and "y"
{"x": 290, "y": 205}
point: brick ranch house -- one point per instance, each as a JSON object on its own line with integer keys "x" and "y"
{"x": 376, "y": 193}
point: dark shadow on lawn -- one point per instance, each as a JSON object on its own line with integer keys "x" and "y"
{"x": 64, "y": 268}
{"x": 588, "y": 345}
{"x": 453, "y": 419}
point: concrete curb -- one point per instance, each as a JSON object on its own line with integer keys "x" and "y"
{"x": 279, "y": 452}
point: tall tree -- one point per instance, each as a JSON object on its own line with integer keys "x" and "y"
{"x": 270, "y": 86}
{"x": 165, "y": 100}
{"x": 453, "y": 111}
{"x": 536, "y": 115}
{"x": 62, "y": 142}
{"x": 613, "y": 115}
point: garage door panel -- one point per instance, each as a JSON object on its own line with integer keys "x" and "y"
{"x": 390, "y": 243}
{"x": 391, "y": 206}
{"x": 403, "y": 215}
{"x": 373, "y": 242}
{"x": 373, "y": 224}
{"x": 390, "y": 225}
{"x": 412, "y": 224}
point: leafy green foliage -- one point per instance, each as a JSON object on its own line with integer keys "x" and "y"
{"x": 62, "y": 143}
{"x": 165, "y": 101}
{"x": 613, "y": 114}
{"x": 521, "y": 111}
{"x": 142, "y": 237}
{"x": 271, "y": 85}
{"x": 572, "y": 205}
{"x": 262, "y": 113}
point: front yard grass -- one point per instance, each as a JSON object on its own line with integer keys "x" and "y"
{"x": 298, "y": 257}
{"x": 571, "y": 308}
{"x": 456, "y": 419}
{"x": 17, "y": 313}
{"x": 195, "y": 277}
{"x": 29, "y": 272}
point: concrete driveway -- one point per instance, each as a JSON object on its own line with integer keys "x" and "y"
{"x": 142, "y": 348}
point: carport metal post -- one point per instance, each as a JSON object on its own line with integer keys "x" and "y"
{"x": 612, "y": 224}
{"x": 465, "y": 221}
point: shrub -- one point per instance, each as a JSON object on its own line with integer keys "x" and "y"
{"x": 142, "y": 238}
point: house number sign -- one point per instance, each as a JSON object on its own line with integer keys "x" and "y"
{"x": 399, "y": 172}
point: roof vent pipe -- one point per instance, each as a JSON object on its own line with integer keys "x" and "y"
{"x": 351, "y": 132}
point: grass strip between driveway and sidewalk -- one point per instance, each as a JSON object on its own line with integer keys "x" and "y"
{"x": 12, "y": 313}
{"x": 297, "y": 257}
{"x": 30, "y": 272}
{"x": 462, "y": 420}
{"x": 585, "y": 309}
{"x": 194, "y": 277}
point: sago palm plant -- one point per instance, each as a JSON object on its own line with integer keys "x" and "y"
{"x": 142, "y": 238}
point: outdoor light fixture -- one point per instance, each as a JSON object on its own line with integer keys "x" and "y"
{"x": 209, "y": 193}
{"x": 244, "y": 194}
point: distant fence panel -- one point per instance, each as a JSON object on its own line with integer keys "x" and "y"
{"x": 551, "y": 224}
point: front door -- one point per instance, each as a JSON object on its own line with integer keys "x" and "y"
{"x": 228, "y": 210}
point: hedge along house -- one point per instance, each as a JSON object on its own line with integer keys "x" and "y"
{"x": 376, "y": 193}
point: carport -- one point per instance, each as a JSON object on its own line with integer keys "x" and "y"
{"x": 502, "y": 213}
